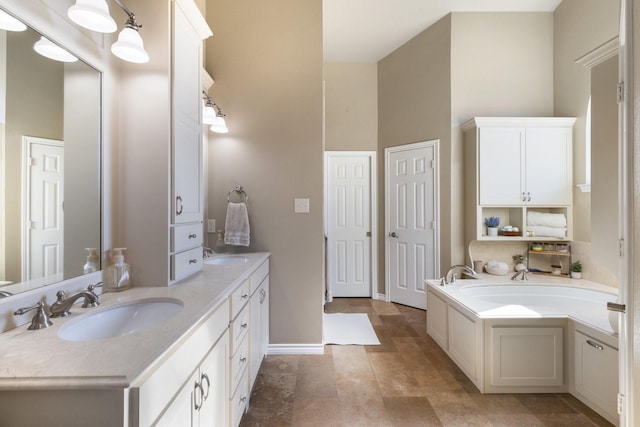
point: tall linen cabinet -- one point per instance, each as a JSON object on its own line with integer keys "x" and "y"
{"x": 160, "y": 161}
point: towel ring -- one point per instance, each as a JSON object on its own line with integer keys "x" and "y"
{"x": 239, "y": 190}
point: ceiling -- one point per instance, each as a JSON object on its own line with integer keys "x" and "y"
{"x": 368, "y": 30}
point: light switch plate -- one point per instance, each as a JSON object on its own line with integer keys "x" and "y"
{"x": 301, "y": 206}
{"x": 211, "y": 226}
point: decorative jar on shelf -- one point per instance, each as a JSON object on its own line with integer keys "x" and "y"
{"x": 492, "y": 231}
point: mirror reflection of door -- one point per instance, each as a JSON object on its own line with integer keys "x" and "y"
{"x": 43, "y": 227}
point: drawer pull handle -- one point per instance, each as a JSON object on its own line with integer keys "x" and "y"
{"x": 243, "y": 325}
{"x": 243, "y": 399}
{"x": 528, "y": 197}
{"x": 205, "y": 377}
{"x": 595, "y": 345}
{"x": 193, "y": 261}
{"x": 193, "y": 235}
{"x": 263, "y": 295}
{"x": 524, "y": 198}
{"x": 179, "y": 205}
{"x": 197, "y": 386}
{"x": 243, "y": 359}
{"x": 244, "y": 296}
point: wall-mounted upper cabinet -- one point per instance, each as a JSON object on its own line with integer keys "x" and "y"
{"x": 523, "y": 161}
{"x": 517, "y": 165}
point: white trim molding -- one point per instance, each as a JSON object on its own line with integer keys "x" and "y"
{"x": 295, "y": 349}
{"x": 607, "y": 50}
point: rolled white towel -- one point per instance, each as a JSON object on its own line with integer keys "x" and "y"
{"x": 545, "y": 219}
{"x": 542, "y": 231}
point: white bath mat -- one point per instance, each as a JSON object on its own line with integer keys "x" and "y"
{"x": 349, "y": 329}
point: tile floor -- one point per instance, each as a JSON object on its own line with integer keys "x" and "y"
{"x": 406, "y": 381}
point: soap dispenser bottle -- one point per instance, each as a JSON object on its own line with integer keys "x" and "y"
{"x": 119, "y": 272}
{"x": 92, "y": 261}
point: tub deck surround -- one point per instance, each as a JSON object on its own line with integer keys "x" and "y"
{"x": 40, "y": 360}
{"x": 490, "y": 297}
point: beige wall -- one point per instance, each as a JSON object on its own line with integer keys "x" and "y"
{"x": 266, "y": 59}
{"x": 579, "y": 27}
{"x": 351, "y": 106}
{"x": 414, "y": 105}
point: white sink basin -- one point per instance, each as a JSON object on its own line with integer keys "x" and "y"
{"x": 121, "y": 320}
{"x": 228, "y": 259}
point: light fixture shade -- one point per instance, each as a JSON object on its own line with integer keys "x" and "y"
{"x": 50, "y": 50}
{"x": 129, "y": 47}
{"x": 219, "y": 126}
{"x": 208, "y": 114}
{"x": 93, "y": 15}
{"x": 9, "y": 23}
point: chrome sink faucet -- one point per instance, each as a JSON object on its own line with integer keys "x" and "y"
{"x": 522, "y": 272}
{"x": 446, "y": 281}
{"x": 61, "y": 307}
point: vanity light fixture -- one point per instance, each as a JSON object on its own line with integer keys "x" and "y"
{"x": 9, "y": 23}
{"x": 212, "y": 115}
{"x": 48, "y": 49}
{"x": 94, "y": 15}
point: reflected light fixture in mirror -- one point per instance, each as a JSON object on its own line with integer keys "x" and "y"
{"x": 94, "y": 15}
{"x": 50, "y": 50}
{"x": 9, "y": 23}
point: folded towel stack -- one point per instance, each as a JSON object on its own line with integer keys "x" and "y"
{"x": 544, "y": 224}
{"x": 237, "y": 225}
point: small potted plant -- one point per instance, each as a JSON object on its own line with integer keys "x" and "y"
{"x": 576, "y": 270}
{"x": 492, "y": 225}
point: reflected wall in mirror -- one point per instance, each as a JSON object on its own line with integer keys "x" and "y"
{"x": 50, "y": 168}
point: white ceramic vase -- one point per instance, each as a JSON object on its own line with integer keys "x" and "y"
{"x": 492, "y": 231}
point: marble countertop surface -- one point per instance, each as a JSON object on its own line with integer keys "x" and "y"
{"x": 41, "y": 360}
{"x": 587, "y": 307}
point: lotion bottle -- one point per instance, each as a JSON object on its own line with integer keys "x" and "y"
{"x": 119, "y": 272}
{"x": 91, "y": 265}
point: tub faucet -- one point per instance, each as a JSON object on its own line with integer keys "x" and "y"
{"x": 522, "y": 272}
{"x": 446, "y": 281}
{"x": 61, "y": 307}
{"x": 207, "y": 252}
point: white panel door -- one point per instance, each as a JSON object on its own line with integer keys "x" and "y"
{"x": 411, "y": 207}
{"x": 349, "y": 225}
{"x": 44, "y": 228}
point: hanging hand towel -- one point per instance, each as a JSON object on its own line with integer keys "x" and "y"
{"x": 237, "y": 225}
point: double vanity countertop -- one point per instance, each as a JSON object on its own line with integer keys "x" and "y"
{"x": 40, "y": 359}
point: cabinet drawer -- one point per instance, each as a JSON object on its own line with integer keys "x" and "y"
{"x": 239, "y": 298}
{"x": 239, "y": 400}
{"x": 239, "y": 363}
{"x": 239, "y": 329}
{"x": 258, "y": 276}
{"x": 186, "y": 263}
{"x": 186, "y": 237}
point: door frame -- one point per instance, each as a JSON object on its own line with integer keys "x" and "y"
{"x": 372, "y": 156}
{"x": 27, "y": 142}
{"x": 435, "y": 143}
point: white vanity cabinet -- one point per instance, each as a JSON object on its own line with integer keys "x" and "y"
{"x": 515, "y": 164}
{"x": 161, "y": 146}
{"x": 194, "y": 374}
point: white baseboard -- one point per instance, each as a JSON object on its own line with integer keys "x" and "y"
{"x": 295, "y": 349}
{"x": 381, "y": 297}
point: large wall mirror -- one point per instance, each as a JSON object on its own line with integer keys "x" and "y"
{"x": 50, "y": 165}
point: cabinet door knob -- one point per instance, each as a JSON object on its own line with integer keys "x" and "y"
{"x": 193, "y": 236}
{"x": 393, "y": 234}
{"x": 243, "y": 359}
{"x": 193, "y": 261}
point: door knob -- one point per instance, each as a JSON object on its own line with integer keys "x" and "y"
{"x": 393, "y": 234}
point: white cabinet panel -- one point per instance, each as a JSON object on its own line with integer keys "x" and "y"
{"x": 463, "y": 342}
{"x": 528, "y": 356}
{"x": 548, "y": 166}
{"x": 437, "y": 319}
{"x": 186, "y": 237}
{"x": 259, "y": 330}
{"x": 501, "y": 166}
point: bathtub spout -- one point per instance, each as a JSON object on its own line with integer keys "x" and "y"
{"x": 522, "y": 272}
